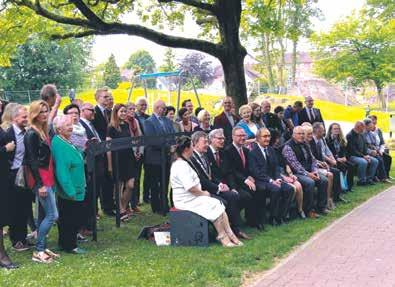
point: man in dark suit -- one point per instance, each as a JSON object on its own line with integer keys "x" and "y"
{"x": 141, "y": 116}
{"x": 100, "y": 122}
{"x": 22, "y": 198}
{"x": 216, "y": 187}
{"x": 86, "y": 119}
{"x": 269, "y": 119}
{"x": 263, "y": 166}
{"x": 309, "y": 113}
{"x": 239, "y": 178}
{"x": 226, "y": 120}
{"x": 157, "y": 125}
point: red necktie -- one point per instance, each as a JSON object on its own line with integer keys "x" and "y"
{"x": 217, "y": 159}
{"x": 243, "y": 158}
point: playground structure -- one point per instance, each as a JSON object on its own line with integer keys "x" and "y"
{"x": 179, "y": 75}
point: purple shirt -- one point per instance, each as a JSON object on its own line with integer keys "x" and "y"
{"x": 293, "y": 162}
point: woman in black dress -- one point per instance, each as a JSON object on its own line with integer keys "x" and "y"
{"x": 126, "y": 168}
{"x": 5, "y": 196}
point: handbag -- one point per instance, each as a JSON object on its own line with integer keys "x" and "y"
{"x": 343, "y": 181}
{"x": 20, "y": 180}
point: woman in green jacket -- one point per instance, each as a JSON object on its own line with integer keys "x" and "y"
{"x": 70, "y": 179}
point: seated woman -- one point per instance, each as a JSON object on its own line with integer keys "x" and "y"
{"x": 338, "y": 146}
{"x": 126, "y": 167}
{"x": 247, "y": 124}
{"x": 287, "y": 174}
{"x": 204, "y": 122}
{"x": 187, "y": 125}
{"x": 281, "y": 125}
{"x": 256, "y": 115}
{"x": 188, "y": 195}
{"x": 70, "y": 178}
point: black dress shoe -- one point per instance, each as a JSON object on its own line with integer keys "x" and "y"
{"x": 260, "y": 227}
{"x": 110, "y": 213}
{"x": 9, "y": 266}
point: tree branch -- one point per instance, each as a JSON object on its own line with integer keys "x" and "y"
{"x": 194, "y": 3}
{"x": 88, "y": 13}
{"x": 99, "y": 27}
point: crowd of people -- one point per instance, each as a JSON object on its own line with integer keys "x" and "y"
{"x": 271, "y": 165}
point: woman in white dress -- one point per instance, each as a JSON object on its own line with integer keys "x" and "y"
{"x": 188, "y": 195}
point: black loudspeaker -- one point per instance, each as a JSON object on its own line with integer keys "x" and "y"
{"x": 188, "y": 229}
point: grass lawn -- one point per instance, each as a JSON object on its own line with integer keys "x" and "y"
{"x": 118, "y": 259}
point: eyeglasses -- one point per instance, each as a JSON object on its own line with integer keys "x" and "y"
{"x": 239, "y": 136}
{"x": 91, "y": 110}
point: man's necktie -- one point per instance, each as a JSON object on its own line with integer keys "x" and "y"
{"x": 242, "y": 156}
{"x": 217, "y": 159}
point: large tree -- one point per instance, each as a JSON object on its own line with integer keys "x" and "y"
{"x": 142, "y": 62}
{"x": 358, "y": 49}
{"x": 39, "y": 61}
{"x": 198, "y": 68}
{"x": 219, "y": 19}
{"x": 111, "y": 73}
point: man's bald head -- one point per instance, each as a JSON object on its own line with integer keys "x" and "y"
{"x": 159, "y": 108}
{"x": 87, "y": 111}
{"x": 266, "y": 106}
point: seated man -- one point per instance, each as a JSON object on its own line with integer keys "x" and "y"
{"x": 303, "y": 164}
{"x": 239, "y": 178}
{"x": 382, "y": 148}
{"x": 323, "y": 154}
{"x": 373, "y": 145}
{"x": 263, "y": 166}
{"x": 215, "y": 188}
{"x": 358, "y": 154}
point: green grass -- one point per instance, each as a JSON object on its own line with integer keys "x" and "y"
{"x": 118, "y": 259}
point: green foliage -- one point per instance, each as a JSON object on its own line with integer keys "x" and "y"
{"x": 356, "y": 50}
{"x": 39, "y": 61}
{"x": 169, "y": 64}
{"x": 111, "y": 74}
{"x": 142, "y": 63}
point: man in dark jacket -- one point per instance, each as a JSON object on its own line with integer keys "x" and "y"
{"x": 309, "y": 113}
{"x": 263, "y": 166}
{"x": 226, "y": 120}
{"x": 358, "y": 154}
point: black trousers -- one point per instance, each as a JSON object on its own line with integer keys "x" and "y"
{"x": 22, "y": 206}
{"x": 69, "y": 223}
{"x": 337, "y": 188}
{"x": 254, "y": 205}
{"x": 280, "y": 199}
{"x": 387, "y": 163}
{"x": 234, "y": 202}
{"x": 156, "y": 186}
{"x": 381, "y": 171}
{"x": 146, "y": 185}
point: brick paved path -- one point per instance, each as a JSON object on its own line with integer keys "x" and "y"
{"x": 358, "y": 250}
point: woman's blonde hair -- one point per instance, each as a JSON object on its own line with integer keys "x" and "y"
{"x": 34, "y": 112}
{"x": 201, "y": 115}
{"x": 6, "y": 119}
{"x": 244, "y": 107}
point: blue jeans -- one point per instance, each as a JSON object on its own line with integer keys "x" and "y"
{"x": 366, "y": 171}
{"x": 48, "y": 204}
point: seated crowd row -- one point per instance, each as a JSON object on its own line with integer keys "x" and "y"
{"x": 235, "y": 163}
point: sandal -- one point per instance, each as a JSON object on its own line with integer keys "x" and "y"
{"x": 124, "y": 217}
{"x": 234, "y": 239}
{"x": 221, "y": 239}
{"x": 41, "y": 257}
{"x": 51, "y": 254}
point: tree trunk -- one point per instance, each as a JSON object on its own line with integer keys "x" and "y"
{"x": 294, "y": 60}
{"x": 269, "y": 64}
{"x": 281, "y": 64}
{"x": 232, "y": 53}
{"x": 235, "y": 84}
{"x": 380, "y": 96}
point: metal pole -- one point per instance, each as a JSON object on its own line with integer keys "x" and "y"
{"x": 131, "y": 90}
{"x": 179, "y": 93}
{"x": 163, "y": 179}
{"x": 146, "y": 94}
{"x": 94, "y": 196}
{"x": 196, "y": 94}
{"x": 28, "y": 94}
{"x": 117, "y": 191}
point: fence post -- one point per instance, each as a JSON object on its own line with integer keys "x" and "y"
{"x": 115, "y": 160}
